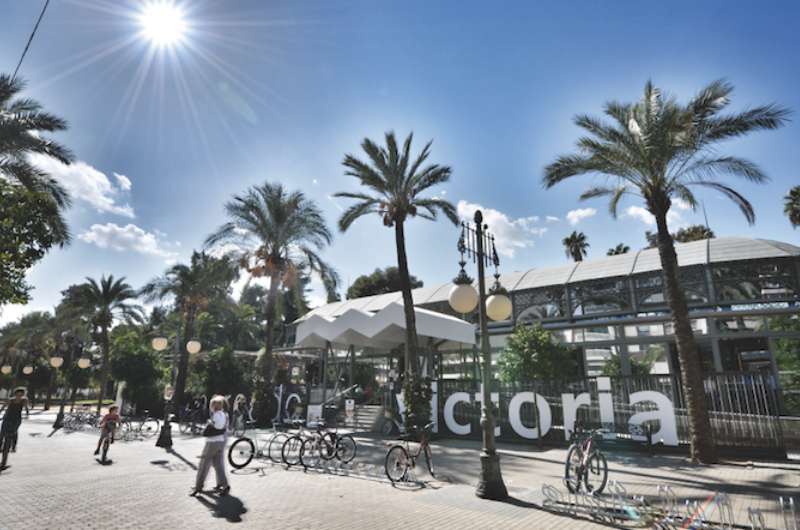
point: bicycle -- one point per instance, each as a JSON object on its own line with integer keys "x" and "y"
{"x": 326, "y": 445}
{"x": 244, "y": 449}
{"x": 400, "y": 458}
{"x": 6, "y": 441}
{"x": 192, "y": 422}
{"x": 107, "y": 441}
{"x": 585, "y": 464}
{"x": 146, "y": 426}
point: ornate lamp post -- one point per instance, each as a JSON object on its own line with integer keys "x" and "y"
{"x": 73, "y": 345}
{"x": 160, "y": 344}
{"x": 475, "y": 242}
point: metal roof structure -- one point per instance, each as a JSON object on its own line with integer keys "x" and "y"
{"x": 717, "y": 250}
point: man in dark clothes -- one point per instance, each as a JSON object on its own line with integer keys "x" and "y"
{"x": 13, "y": 416}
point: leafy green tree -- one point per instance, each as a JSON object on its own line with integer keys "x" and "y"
{"x": 30, "y": 224}
{"x": 532, "y": 353}
{"x": 639, "y": 368}
{"x": 791, "y": 206}
{"x": 103, "y": 303}
{"x": 280, "y": 234}
{"x": 575, "y": 245}
{"x": 394, "y": 185}
{"x": 134, "y": 362}
{"x": 381, "y": 281}
{"x": 622, "y": 248}
{"x": 660, "y": 150}
{"x": 693, "y": 233}
{"x": 224, "y": 374}
{"x": 192, "y": 287}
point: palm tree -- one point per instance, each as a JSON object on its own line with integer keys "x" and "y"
{"x": 278, "y": 235}
{"x": 575, "y": 245}
{"x": 192, "y": 287}
{"x": 21, "y": 122}
{"x": 791, "y": 206}
{"x": 103, "y": 303}
{"x": 659, "y": 150}
{"x": 394, "y": 186}
{"x": 621, "y": 248}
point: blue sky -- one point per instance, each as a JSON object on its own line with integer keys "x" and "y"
{"x": 280, "y": 91}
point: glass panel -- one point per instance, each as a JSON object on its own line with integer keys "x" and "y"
{"x": 540, "y": 304}
{"x": 599, "y": 333}
{"x": 601, "y": 296}
{"x": 649, "y": 290}
{"x": 645, "y": 330}
{"x": 753, "y": 280}
{"x": 646, "y": 359}
{"x": 699, "y": 326}
{"x": 740, "y": 324}
{"x": 601, "y": 360}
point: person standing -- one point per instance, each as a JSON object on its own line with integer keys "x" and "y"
{"x": 214, "y": 450}
{"x": 13, "y": 417}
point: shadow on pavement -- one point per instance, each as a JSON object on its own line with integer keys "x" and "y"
{"x": 225, "y": 507}
{"x": 182, "y": 458}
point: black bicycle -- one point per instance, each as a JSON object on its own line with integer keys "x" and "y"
{"x": 323, "y": 444}
{"x": 586, "y": 466}
{"x": 107, "y": 441}
{"x": 6, "y": 441}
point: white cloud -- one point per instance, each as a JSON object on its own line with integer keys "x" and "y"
{"x": 576, "y": 216}
{"x": 123, "y": 182}
{"x": 128, "y": 238}
{"x": 552, "y": 219}
{"x": 87, "y": 184}
{"x": 510, "y": 234}
{"x": 674, "y": 218}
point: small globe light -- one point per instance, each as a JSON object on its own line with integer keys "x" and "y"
{"x": 169, "y": 391}
{"x": 84, "y": 362}
{"x": 498, "y": 307}
{"x": 159, "y": 344}
{"x": 194, "y": 346}
{"x": 27, "y": 370}
{"x": 6, "y": 369}
{"x": 56, "y": 361}
{"x": 463, "y": 298}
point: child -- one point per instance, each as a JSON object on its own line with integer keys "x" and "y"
{"x": 13, "y": 416}
{"x": 108, "y": 426}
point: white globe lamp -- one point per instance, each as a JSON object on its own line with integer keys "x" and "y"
{"x": 6, "y": 369}
{"x": 498, "y": 307}
{"x": 463, "y": 298}
{"x": 27, "y": 370}
{"x": 159, "y": 344}
{"x": 56, "y": 361}
{"x": 193, "y": 346}
{"x": 84, "y": 362}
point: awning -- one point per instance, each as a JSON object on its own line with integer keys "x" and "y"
{"x": 382, "y": 330}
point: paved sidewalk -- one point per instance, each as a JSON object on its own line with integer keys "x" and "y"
{"x": 55, "y": 482}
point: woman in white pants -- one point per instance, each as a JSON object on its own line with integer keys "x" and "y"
{"x": 214, "y": 450}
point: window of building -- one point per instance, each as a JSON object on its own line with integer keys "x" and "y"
{"x": 649, "y": 359}
{"x": 650, "y": 291}
{"x": 754, "y": 280}
{"x": 599, "y": 296}
{"x": 540, "y": 304}
{"x": 601, "y": 360}
{"x": 740, "y": 324}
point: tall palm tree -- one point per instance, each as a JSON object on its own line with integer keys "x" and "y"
{"x": 192, "y": 288}
{"x": 278, "y": 234}
{"x": 394, "y": 184}
{"x": 621, "y": 248}
{"x": 575, "y": 245}
{"x": 791, "y": 206}
{"x": 660, "y": 150}
{"x": 21, "y": 122}
{"x": 103, "y": 303}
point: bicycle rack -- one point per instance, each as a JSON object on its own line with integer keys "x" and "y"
{"x": 788, "y": 513}
{"x": 756, "y": 518}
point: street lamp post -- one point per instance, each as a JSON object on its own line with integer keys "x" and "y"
{"x": 56, "y": 362}
{"x": 160, "y": 344}
{"x": 475, "y": 242}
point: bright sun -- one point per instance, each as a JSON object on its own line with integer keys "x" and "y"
{"x": 163, "y": 23}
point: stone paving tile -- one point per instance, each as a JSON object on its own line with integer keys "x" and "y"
{"x": 56, "y": 483}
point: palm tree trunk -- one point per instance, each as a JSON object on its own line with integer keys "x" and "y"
{"x": 702, "y": 443}
{"x": 408, "y": 301}
{"x": 269, "y": 335}
{"x": 183, "y": 360}
{"x": 106, "y": 369}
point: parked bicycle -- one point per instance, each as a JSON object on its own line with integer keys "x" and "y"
{"x": 244, "y": 449}
{"x": 324, "y": 444}
{"x": 586, "y": 466}
{"x": 192, "y": 421}
{"x": 77, "y": 421}
{"x": 400, "y": 458}
{"x": 146, "y": 426}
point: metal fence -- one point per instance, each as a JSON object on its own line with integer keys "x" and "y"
{"x": 744, "y": 408}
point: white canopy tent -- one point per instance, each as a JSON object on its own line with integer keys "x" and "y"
{"x": 382, "y": 330}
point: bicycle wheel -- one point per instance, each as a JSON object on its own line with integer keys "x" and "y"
{"x": 184, "y": 425}
{"x": 5, "y": 447}
{"x": 345, "y": 448}
{"x": 327, "y": 446}
{"x": 429, "y": 460}
{"x": 196, "y": 425}
{"x": 241, "y": 453}
{"x": 311, "y": 452}
{"x": 149, "y": 427}
{"x": 396, "y": 464}
{"x": 595, "y": 475}
{"x": 275, "y": 446}
{"x": 106, "y": 443}
{"x": 573, "y": 468}
{"x": 290, "y": 452}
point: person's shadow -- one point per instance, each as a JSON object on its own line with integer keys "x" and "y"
{"x": 225, "y": 507}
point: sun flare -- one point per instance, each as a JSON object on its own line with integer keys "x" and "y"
{"x": 162, "y": 23}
